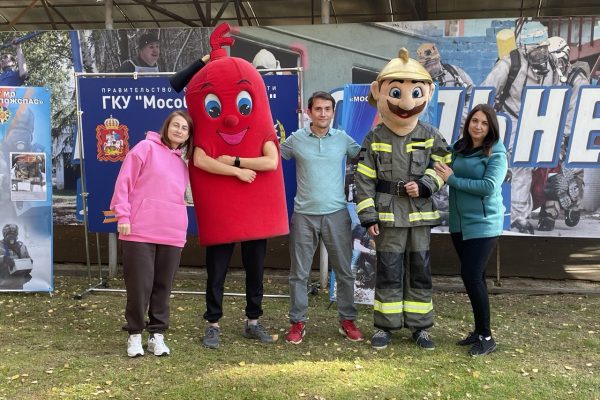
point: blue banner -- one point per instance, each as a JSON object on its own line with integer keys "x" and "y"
{"x": 358, "y": 116}
{"x": 283, "y": 100}
{"x": 26, "y": 194}
{"x": 117, "y": 112}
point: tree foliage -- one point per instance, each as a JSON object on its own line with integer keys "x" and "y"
{"x": 50, "y": 64}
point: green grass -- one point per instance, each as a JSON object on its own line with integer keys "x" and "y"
{"x": 60, "y": 348}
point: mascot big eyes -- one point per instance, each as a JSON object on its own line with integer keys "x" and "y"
{"x": 228, "y": 103}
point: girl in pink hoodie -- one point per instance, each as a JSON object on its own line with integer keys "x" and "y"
{"x": 152, "y": 222}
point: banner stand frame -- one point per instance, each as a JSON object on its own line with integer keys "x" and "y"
{"x": 102, "y": 284}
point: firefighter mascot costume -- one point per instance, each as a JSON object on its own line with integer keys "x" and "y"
{"x": 395, "y": 181}
{"x": 227, "y": 100}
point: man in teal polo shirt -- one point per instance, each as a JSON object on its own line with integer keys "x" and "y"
{"x": 320, "y": 213}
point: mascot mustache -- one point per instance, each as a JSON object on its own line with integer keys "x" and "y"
{"x": 402, "y": 113}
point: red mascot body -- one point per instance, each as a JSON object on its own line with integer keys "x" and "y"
{"x": 227, "y": 101}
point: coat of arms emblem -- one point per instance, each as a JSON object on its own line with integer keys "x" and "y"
{"x": 112, "y": 140}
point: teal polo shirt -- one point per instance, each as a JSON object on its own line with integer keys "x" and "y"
{"x": 319, "y": 169}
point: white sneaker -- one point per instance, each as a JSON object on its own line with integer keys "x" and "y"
{"x": 156, "y": 345}
{"x": 134, "y": 345}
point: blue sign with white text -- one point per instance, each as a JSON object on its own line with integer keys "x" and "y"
{"x": 117, "y": 112}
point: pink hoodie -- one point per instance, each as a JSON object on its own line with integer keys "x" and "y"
{"x": 149, "y": 193}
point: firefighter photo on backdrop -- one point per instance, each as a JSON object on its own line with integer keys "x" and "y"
{"x": 545, "y": 68}
{"x": 28, "y": 176}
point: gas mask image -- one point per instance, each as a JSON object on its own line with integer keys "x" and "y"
{"x": 538, "y": 58}
{"x": 533, "y": 40}
{"x": 10, "y": 233}
{"x": 429, "y": 56}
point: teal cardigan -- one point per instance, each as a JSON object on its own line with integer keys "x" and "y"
{"x": 476, "y": 207}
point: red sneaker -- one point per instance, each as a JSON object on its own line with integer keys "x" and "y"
{"x": 351, "y": 331}
{"x": 296, "y": 333}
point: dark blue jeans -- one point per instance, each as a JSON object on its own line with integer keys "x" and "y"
{"x": 474, "y": 255}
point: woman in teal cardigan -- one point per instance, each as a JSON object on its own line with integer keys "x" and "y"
{"x": 479, "y": 166}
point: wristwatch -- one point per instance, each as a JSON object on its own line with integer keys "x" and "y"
{"x": 237, "y": 162}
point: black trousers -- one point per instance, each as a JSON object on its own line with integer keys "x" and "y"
{"x": 474, "y": 255}
{"x": 217, "y": 262}
{"x": 148, "y": 271}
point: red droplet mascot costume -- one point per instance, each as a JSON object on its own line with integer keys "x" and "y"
{"x": 227, "y": 101}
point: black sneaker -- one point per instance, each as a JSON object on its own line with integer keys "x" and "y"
{"x": 211, "y": 337}
{"x": 483, "y": 347}
{"x": 423, "y": 340}
{"x": 381, "y": 339}
{"x": 471, "y": 338}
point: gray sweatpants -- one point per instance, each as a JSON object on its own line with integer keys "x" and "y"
{"x": 305, "y": 231}
{"x": 148, "y": 270}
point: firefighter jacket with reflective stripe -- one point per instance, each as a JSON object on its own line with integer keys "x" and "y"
{"x": 399, "y": 159}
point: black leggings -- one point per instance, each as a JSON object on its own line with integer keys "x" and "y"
{"x": 474, "y": 255}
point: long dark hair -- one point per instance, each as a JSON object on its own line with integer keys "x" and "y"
{"x": 466, "y": 142}
{"x": 164, "y": 137}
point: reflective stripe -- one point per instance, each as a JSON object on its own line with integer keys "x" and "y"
{"x": 398, "y": 307}
{"x": 389, "y": 217}
{"x": 365, "y": 204}
{"x": 388, "y": 308}
{"x": 423, "y": 216}
{"x": 366, "y": 171}
{"x": 109, "y": 216}
{"x": 385, "y": 147}
{"x": 438, "y": 181}
{"x": 445, "y": 159}
{"x": 426, "y": 144}
{"x": 418, "y": 307}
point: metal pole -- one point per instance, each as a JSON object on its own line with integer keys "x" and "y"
{"x": 112, "y": 255}
{"x": 108, "y": 15}
{"x": 112, "y": 237}
{"x": 325, "y": 11}
{"x": 98, "y": 253}
{"x": 84, "y": 195}
{"x": 270, "y": 296}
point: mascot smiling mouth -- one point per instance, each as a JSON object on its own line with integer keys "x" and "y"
{"x": 233, "y": 138}
{"x": 402, "y": 113}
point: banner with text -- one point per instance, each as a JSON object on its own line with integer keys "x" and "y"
{"x": 26, "y": 189}
{"x": 117, "y": 112}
